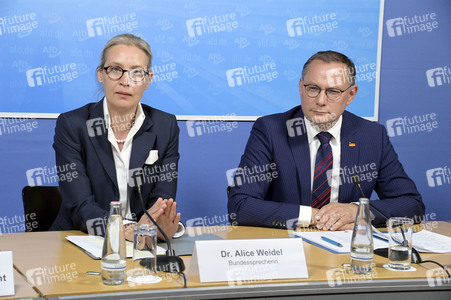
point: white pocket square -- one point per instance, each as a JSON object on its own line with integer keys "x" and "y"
{"x": 152, "y": 158}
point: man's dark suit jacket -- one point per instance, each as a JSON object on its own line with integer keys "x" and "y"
{"x": 80, "y": 142}
{"x": 364, "y": 145}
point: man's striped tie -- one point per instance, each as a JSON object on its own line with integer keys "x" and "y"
{"x": 323, "y": 162}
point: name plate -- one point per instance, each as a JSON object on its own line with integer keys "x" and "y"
{"x": 6, "y": 273}
{"x": 249, "y": 261}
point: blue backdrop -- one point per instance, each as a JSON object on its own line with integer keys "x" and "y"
{"x": 414, "y": 106}
{"x": 210, "y": 57}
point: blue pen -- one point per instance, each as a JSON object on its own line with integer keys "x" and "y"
{"x": 331, "y": 241}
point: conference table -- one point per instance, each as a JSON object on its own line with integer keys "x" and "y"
{"x": 23, "y": 290}
{"x": 38, "y": 250}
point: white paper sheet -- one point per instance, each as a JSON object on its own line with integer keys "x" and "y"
{"x": 92, "y": 245}
{"x": 428, "y": 241}
{"x": 342, "y": 237}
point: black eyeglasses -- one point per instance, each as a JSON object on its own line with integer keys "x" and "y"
{"x": 332, "y": 94}
{"x": 116, "y": 73}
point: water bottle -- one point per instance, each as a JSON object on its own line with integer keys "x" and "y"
{"x": 362, "y": 240}
{"x": 114, "y": 251}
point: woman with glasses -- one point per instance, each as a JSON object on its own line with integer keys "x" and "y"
{"x": 117, "y": 146}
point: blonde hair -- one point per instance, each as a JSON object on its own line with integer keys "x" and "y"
{"x": 126, "y": 39}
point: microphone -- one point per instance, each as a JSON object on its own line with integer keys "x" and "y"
{"x": 170, "y": 262}
{"x": 356, "y": 181}
{"x": 384, "y": 251}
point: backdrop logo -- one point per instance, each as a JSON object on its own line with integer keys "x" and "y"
{"x": 210, "y": 25}
{"x": 18, "y": 24}
{"x": 48, "y": 75}
{"x": 438, "y": 176}
{"x": 219, "y": 124}
{"x": 410, "y": 25}
{"x": 164, "y": 24}
{"x": 216, "y": 58}
{"x": 249, "y": 75}
{"x": 410, "y": 125}
{"x": 438, "y": 76}
{"x": 312, "y": 24}
{"x": 111, "y": 24}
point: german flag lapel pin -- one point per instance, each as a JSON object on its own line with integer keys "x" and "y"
{"x": 351, "y": 144}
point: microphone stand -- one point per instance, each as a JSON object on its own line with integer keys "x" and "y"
{"x": 170, "y": 262}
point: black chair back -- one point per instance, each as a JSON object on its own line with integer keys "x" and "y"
{"x": 41, "y": 205}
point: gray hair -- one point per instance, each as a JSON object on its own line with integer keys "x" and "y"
{"x": 332, "y": 56}
{"x": 130, "y": 40}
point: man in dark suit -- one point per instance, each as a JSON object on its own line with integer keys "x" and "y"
{"x": 298, "y": 165}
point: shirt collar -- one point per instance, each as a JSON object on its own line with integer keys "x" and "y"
{"x": 312, "y": 130}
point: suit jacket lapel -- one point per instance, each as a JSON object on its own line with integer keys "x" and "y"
{"x": 143, "y": 142}
{"x": 101, "y": 144}
{"x": 301, "y": 154}
{"x": 350, "y": 150}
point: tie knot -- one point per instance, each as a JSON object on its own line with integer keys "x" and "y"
{"x": 324, "y": 137}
